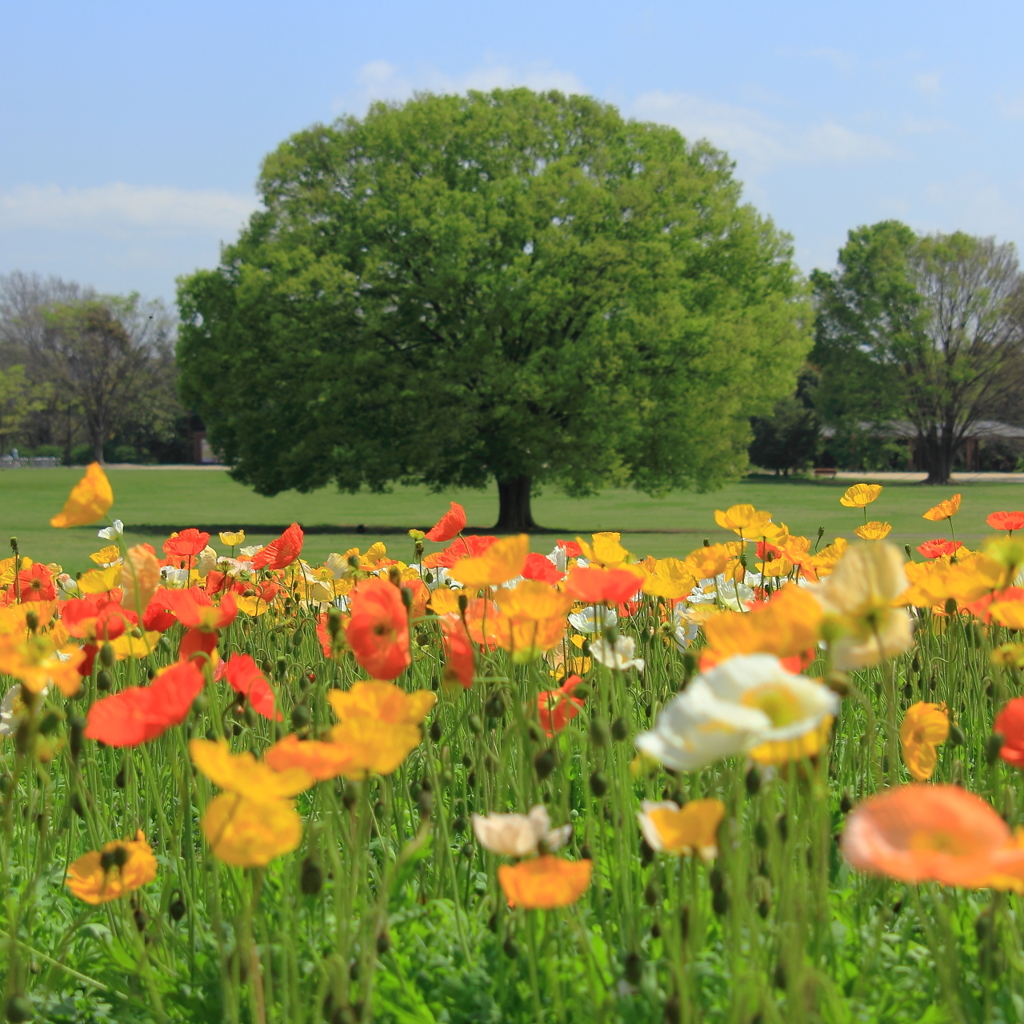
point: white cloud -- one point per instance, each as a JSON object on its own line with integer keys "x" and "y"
{"x": 381, "y": 80}
{"x": 765, "y": 142}
{"x": 929, "y": 85}
{"x": 118, "y": 207}
{"x": 1013, "y": 108}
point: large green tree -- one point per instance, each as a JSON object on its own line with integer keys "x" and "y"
{"x": 506, "y": 286}
{"x": 922, "y": 329}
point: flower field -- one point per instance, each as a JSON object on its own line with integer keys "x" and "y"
{"x": 775, "y": 779}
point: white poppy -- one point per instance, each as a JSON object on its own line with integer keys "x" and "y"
{"x": 112, "y": 532}
{"x": 519, "y": 835}
{"x": 618, "y": 656}
{"x": 586, "y": 621}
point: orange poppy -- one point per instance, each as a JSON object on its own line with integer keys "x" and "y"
{"x": 186, "y": 544}
{"x": 459, "y": 654}
{"x": 281, "y": 552}
{"x": 451, "y": 524}
{"x": 1008, "y": 521}
{"x": 546, "y": 882}
{"x": 378, "y": 631}
{"x": 244, "y": 677}
{"x": 920, "y": 833}
{"x": 557, "y": 708}
{"x": 1010, "y": 723}
{"x": 141, "y": 713}
{"x": 464, "y": 547}
{"x": 601, "y": 586}
{"x": 944, "y": 510}
{"x": 36, "y": 583}
{"x": 321, "y": 760}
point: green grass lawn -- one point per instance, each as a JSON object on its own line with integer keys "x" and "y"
{"x": 153, "y": 503}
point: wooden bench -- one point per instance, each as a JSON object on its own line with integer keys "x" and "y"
{"x": 831, "y": 473}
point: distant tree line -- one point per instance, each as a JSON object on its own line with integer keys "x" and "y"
{"x": 916, "y": 336}
{"x": 86, "y": 376}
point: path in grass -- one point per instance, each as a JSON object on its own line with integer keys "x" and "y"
{"x": 152, "y": 504}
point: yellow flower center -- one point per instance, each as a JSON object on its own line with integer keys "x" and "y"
{"x": 778, "y": 702}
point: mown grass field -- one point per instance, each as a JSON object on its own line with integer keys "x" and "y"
{"x": 152, "y": 503}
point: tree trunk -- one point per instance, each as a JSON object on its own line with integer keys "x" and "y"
{"x": 514, "y": 506}
{"x": 938, "y": 457}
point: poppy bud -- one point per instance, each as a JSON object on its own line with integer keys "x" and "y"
{"x": 435, "y": 731}
{"x": 956, "y": 735}
{"x": 598, "y": 732}
{"x": 140, "y": 919}
{"x": 300, "y": 716}
{"x": 77, "y": 736}
{"x": 468, "y": 851}
{"x": 951, "y": 606}
{"x": 720, "y": 902}
{"x": 753, "y": 781}
{"x": 684, "y": 923}
{"x": 598, "y": 784}
{"x": 495, "y": 706}
{"x": 492, "y": 922}
{"x": 993, "y": 746}
{"x": 620, "y": 730}
{"x": 406, "y": 597}
{"x": 633, "y": 969}
{"x": 510, "y": 949}
{"x": 762, "y": 909}
{"x": 459, "y": 824}
{"x": 846, "y": 803}
{"x": 761, "y": 836}
{"x": 651, "y": 894}
{"x": 32, "y": 621}
{"x": 463, "y": 604}
{"x": 783, "y": 826}
{"x": 177, "y": 907}
{"x": 104, "y": 681}
{"x": 107, "y": 656}
{"x": 544, "y": 763}
{"x": 18, "y": 1009}
{"x": 119, "y": 778}
{"x": 311, "y": 878}
{"x": 475, "y": 724}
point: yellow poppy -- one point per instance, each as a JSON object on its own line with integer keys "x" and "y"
{"x": 502, "y": 561}
{"x": 243, "y": 774}
{"x": 250, "y": 833}
{"x": 90, "y": 499}
{"x": 860, "y": 495}
{"x": 873, "y": 530}
{"x": 923, "y": 728}
{"x": 682, "y": 831}
{"x": 605, "y": 549}
{"x": 744, "y": 520}
{"x": 232, "y": 538}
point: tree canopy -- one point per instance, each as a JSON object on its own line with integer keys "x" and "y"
{"x": 926, "y": 329}
{"x": 507, "y": 286}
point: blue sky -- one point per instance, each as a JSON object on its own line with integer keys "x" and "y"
{"x": 132, "y": 133}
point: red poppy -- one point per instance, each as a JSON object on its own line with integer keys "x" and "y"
{"x": 538, "y": 567}
{"x": 464, "y": 547}
{"x": 201, "y": 618}
{"x": 378, "y": 631}
{"x": 571, "y": 548}
{"x": 1010, "y": 723}
{"x": 96, "y": 617}
{"x": 557, "y": 708}
{"x": 938, "y": 548}
{"x": 186, "y": 544}
{"x": 458, "y": 649}
{"x": 157, "y": 616}
{"x": 37, "y": 583}
{"x": 1008, "y": 521}
{"x": 142, "y": 713}
{"x": 244, "y": 677}
{"x": 281, "y": 552}
{"x": 451, "y": 524}
{"x": 598, "y": 586}
{"x": 980, "y": 609}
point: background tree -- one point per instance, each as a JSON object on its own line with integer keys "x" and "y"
{"x": 18, "y": 398}
{"x": 927, "y": 329}
{"x": 504, "y": 286}
{"x": 789, "y": 437}
{"x": 104, "y": 365}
